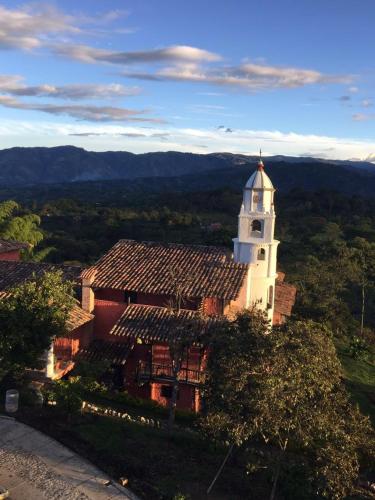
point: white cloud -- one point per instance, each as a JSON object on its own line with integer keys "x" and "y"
{"x": 253, "y": 77}
{"x": 138, "y": 139}
{"x": 81, "y": 112}
{"x": 367, "y": 103}
{"x": 37, "y": 25}
{"x": 29, "y": 27}
{"x": 14, "y": 85}
{"x": 87, "y": 54}
{"x": 362, "y": 117}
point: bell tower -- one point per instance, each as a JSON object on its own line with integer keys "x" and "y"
{"x": 255, "y": 244}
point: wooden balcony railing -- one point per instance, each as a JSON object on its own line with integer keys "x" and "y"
{"x": 163, "y": 372}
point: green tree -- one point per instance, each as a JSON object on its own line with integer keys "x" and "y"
{"x": 23, "y": 228}
{"x": 363, "y": 272}
{"x": 283, "y": 387}
{"x": 322, "y": 283}
{"x": 184, "y": 332}
{"x": 31, "y": 315}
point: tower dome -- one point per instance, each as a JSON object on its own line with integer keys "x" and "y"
{"x": 259, "y": 179}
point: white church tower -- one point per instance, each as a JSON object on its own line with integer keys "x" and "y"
{"x": 255, "y": 243}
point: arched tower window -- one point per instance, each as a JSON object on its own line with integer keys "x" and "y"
{"x": 261, "y": 254}
{"x": 270, "y": 297}
{"x": 256, "y": 228}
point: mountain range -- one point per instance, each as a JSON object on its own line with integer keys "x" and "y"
{"x": 36, "y": 166}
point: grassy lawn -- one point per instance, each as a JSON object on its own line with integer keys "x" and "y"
{"x": 360, "y": 378}
{"x": 158, "y": 466}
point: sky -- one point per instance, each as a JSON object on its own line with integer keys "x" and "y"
{"x": 291, "y": 78}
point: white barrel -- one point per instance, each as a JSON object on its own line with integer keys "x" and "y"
{"x": 11, "y": 401}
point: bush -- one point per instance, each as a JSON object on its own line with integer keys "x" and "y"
{"x": 68, "y": 395}
{"x": 358, "y": 348}
{"x": 92, "y": 371}
{"x": 31, "y": 396}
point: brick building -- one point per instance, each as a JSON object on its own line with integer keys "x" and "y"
{"x": 128, "y": 291}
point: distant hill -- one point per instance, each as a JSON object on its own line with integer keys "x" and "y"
{"x": 171, "y": 171}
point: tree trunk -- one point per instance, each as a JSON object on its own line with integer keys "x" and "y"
{"x": 173, "y": 401}
{"x": 275, "y": 480}
{"x": 363, "y": 310}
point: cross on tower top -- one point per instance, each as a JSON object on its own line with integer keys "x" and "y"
{"x": 260, "y": 162}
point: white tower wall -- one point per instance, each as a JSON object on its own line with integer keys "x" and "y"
{"x": 255, "y": 243}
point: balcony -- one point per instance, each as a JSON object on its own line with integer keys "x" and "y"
{"x": 163, "y": 372}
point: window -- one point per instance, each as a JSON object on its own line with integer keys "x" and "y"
{"x": 270, "y": 297}
{"x": 166, "y": 391}
{"x": 261, "y": 254}
{"x": 256, "y": 228}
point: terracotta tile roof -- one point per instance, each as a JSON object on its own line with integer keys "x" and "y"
{"x": 13, "y": 273}
{"x": 99, "y": 350}
{"x": 149, "y": 323}
{"x": 10, "y": 246}
{"x": 78, "y": 317}
{"x": 285, "y": 297}
{"x": 147, "y": 266}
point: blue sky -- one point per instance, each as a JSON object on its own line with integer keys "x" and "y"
{"x": 154, "y": 75}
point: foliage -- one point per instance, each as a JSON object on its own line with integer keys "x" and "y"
{"x": 23, "y": 228}
{"x": 68, "y": 395}
{"x": 31, "y": 315}
{"x": 364, "y": 271}
{"x": 183, "y": 332}
{"x": 91, "y": 371}
{"x": 358, "y": 348}
{"x": 283, "y": 387}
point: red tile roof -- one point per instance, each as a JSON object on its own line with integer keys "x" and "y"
{"x": 78, "y": 317}
{"x": 285, "y": 297}
{"x": 10, "y": 246}
{"x": 13, "y": 273}
{"x": 148, "y": 267}
{"x": 150, "y": 323}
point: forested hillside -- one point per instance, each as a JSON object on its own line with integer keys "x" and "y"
{"x": 177, "y": 171}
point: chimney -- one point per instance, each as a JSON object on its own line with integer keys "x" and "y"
{"x": 88, "y": 297}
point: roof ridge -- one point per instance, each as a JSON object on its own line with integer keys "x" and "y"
{"x": 172, "y": 244}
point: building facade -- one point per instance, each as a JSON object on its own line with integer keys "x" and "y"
{"x": 129, "y": 291}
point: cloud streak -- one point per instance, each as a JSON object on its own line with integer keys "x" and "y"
{"x": 253, "y": 77}
{"x": 28, "y": 29}
{"x": 363, "y": 117}
{"x": 87, "y": 54}
{"x": 13, "y": 85}
{"x": 82, "y": 112}
{"x": 44, "y": 26}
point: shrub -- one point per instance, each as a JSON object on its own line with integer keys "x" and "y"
{"x": 358, "y": 348}
{"x": 68, "y": 395}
